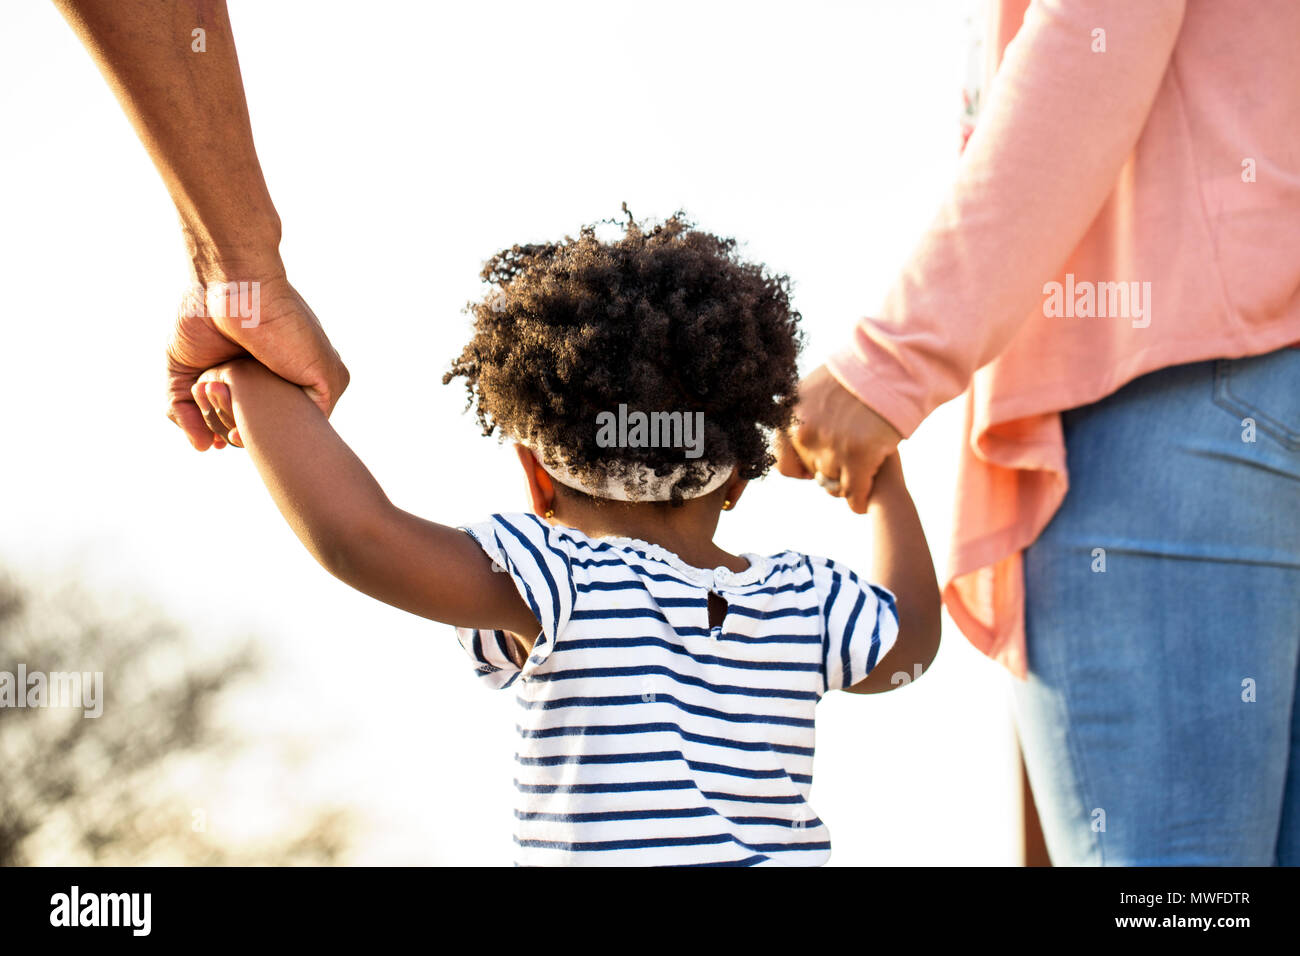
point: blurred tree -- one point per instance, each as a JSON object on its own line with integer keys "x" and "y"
{"x": 119, "y": 788}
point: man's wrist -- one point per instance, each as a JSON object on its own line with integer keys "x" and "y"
{"x": 248, "y": 258}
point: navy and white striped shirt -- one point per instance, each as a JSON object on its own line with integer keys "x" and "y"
{"x": 647, "y": 737}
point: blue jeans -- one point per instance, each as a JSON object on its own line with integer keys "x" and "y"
{"x": 1160, "y": 722}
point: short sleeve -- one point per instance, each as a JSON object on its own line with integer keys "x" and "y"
{"x": 859, "y": 623}
{"x": 526, "y": 548}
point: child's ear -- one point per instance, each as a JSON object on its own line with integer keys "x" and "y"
{"x": 541, "y": 489}
{"x": 733, "y": 489}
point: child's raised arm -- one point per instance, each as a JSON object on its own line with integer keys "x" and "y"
{"x": 339, "y": 512}
{"x": 902, "y": 563}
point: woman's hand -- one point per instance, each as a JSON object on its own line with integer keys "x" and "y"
{"x": 835, "y": 439}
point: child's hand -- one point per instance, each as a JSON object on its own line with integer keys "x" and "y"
{"x": 212, "y": 393}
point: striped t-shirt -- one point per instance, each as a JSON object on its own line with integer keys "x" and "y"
{"x": 647, "y": 737}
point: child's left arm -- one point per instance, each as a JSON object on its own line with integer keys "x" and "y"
{"x": 903, "y": 565}
{"x": 342, "y": 516}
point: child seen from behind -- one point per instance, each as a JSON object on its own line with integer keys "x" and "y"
{"x": 666, "y": 688}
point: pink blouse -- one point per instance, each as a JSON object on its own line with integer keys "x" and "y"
{"x": 1129, "y": 200}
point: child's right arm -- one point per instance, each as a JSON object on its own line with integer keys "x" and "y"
{"x": 342, "y": 516}
{"x": 902, "y": 564}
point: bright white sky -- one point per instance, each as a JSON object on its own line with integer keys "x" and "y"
{"x": 405, "y": 142}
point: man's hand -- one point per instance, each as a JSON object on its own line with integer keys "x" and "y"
{"x": 287, "y": 338}
{"x": 836, "y": 437}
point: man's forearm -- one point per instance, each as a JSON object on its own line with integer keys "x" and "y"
{"x": 188, "y": 109}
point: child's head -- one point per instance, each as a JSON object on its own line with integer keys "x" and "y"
{"x": 606, "y": 358}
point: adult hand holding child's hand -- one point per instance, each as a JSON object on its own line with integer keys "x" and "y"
{"x": 184, "y": 95}
{"x": 284, "y": 335}
{"x": 836, "y": 437}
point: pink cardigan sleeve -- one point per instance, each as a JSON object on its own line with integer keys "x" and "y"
{"x": 1057, "y": 125}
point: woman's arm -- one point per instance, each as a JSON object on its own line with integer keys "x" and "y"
{"x": 902, "y": 563}
{"x": 1059, "y": 123}
{"x": 342, "y": 516}
{"x": 1061, "y": 118}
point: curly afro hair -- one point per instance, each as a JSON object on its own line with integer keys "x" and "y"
{"x": 661, "y": 319}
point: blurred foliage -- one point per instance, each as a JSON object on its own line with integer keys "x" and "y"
{"x": 131, "y": 787}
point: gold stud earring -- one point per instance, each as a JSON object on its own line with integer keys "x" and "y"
{"x": 726, "y": 504}
{"x": 550, "y": 513}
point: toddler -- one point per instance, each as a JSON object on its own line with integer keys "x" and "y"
{"x": 666, "y": 687}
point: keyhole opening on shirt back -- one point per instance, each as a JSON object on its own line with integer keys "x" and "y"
{"x": 717, "y": 610}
